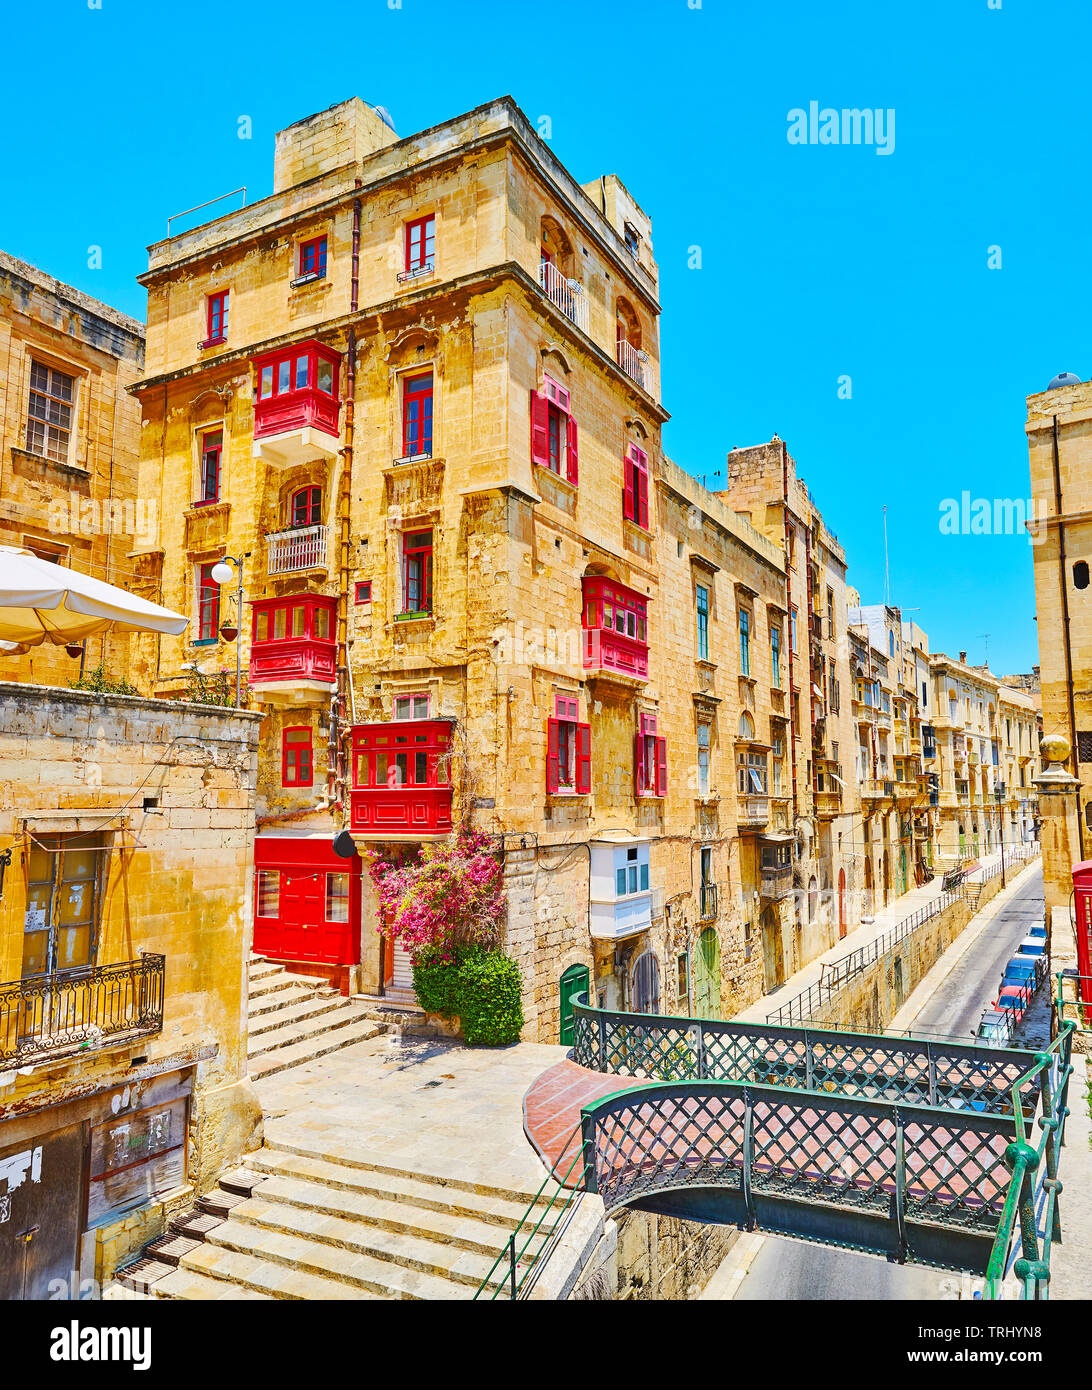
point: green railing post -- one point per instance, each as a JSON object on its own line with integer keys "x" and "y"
{"x": 512, "y": 1267}
{"x": 900, "y": 1182}
{"x": 932, "y": 1074}
{"x": 701, "y": 1052}
{"x": 809, "y": 1062}
{"x": 748, "y": 1155}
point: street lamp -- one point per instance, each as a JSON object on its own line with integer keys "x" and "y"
{"x": 222, "y": 573}
{"x": 999, "y": 793}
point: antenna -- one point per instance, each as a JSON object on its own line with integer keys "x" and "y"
{"x": 886, "y": 565}
{"x": 706, "y": 476}
{"x": 986, "y": 636}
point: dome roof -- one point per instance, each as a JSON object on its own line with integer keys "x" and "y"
{"x": 1064, "y": 379}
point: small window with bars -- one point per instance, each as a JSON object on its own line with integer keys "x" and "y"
{"x": 1084, "y": 747}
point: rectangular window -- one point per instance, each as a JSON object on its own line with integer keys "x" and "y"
{"x": 752, "y": 774}
{"x": 417, "y": 572}
{"x": 417, "y": 416}
{"x": 650, "y": 759}
{"x": 363, "y": 591}
{"x": 410, "y": 707}
{"x": 296, "y": 758}
{"x": 49, "y": 413}
{"x": 703, "y": 759}
{"x": 744, "y": 642}
{"x": 217, "y": 322}
{"x": 568, "y": 749}
{"x": 775, "y": 657}
{"x": 307, "y": 507}
{"x": 212, "y": 445}
{"x": 313, "y": 257}
{"x": 702, "y": 598}
{"x": 269, "y": 893}
{"x": 208, "y": 604}
{"x": 792, "y": 629}
{"x": 553, "y": 431}
{"x": 63, "y": 905}
{"x": 631, "y": 871}
{"x": 337, "y": 897}
{"x": 420, "y": 245}
{"x": 635, "y": 489}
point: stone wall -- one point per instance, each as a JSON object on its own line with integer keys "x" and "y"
{"x": 642, "y": 1257}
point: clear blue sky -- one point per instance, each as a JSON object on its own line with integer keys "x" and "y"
{"x": 817, "y": 261}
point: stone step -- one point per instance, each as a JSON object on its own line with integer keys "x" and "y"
{"x": 195, "y": 1224}
{"x": 142, "y": 1274}
{"x": 359, "y": 1160}
{"x": 356, "y": 1267}
{"x": 116, "y": 1291}
{"x": 241, "y": 1180}
{"x": 189, "y": 1284}
{"x": 312, "y": 1005}
{"x": 504, "y": 1211}
{"x": 219, "y": 1203}
{"x": 359, "y": 1030}
{"x": 246, "y": 1274}
{"x": 260, "y": 969}
{"x": 273, "y": 1002}
{"x": 302, "y": 1031}
{"x": 170, "y": 1249}
{"x": 272, "y": 984}
{"x": 305, "y": 1204}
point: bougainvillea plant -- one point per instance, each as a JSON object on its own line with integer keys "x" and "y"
{"x": 447, "y": 898}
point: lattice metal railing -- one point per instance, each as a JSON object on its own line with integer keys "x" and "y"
{"x": 97, "y": 1006}
{"x": 659, "y": 1047}
{"x": 907, "y": 1174}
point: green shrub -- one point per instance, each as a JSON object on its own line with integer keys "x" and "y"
{"x": 102, "y": 684}
{"x": 478, "y": 986}
{"x": 490, "y": 1006}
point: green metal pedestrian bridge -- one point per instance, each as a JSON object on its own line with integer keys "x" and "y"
{"x": 936, "y": 1153}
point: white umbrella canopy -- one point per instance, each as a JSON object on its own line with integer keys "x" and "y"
{"x": 41, "y": 601}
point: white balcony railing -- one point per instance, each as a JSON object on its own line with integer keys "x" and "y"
{"x": 633, "y": 363}
{"x": 568, "y": 295}
{"x": 302, "y": 549}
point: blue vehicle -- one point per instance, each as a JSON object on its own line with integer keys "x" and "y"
{"x": 1039, "y": 930}
{"x": 1020, "y": 970}
{"x": 1031, "y": 946}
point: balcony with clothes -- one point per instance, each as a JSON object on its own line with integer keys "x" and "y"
{"x": 614, "y": 630}
{"x": 401, "y": 779}
{"x": 566, "y": 294}
{"x": 93, "y": 1008}
{"x": 827, "y": 788}
{"x": 292, "y": 649}
{"x": 752, "y": 788}
{"x": 296, "y": 406}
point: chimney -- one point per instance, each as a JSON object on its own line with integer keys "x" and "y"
{"x": 963, "y": 658}
{"x": 340, "y": 135}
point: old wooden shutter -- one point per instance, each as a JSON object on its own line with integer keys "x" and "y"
{"x": 551, "y": 755}
{"x": 583, "y": 757}
{"x": 661, "y": 767}
{"x": 540, "y": 429}
{"x": 572, "y": 464}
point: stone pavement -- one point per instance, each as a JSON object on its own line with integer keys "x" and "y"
{"x": 886, "y": 919}
{"x": 1071, "y": 1260}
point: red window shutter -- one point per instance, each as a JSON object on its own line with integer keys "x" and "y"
{"x": 551, "y": 756}
{"x": 583, "y": 757}
{"x": 642, "y": 481}
{"x": 572, "y": 462}
{"x": 628, "y": 502}
{"x": 661, "y": 767}
{"x": 639, "y": 764}
{"x": 540, "y": 429}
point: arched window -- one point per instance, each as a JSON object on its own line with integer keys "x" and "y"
{"x": 305, "y": 507}
{"x": 746, "y": 726}
{"x": 628, "y": 325}
{"x": 646, "y": 984}
{"x": 555, "y": 247}
{"x": 813, "y": 898}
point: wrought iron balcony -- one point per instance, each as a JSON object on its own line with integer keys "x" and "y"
{"x": 84, "y": 1010}
{"x": 708, "y": 901}
{"x": 302, "y": 548}
{"x": 633, "y": 362}
{"x": 568, "y": 295}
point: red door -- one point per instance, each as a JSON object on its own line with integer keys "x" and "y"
{"x": 301, "y": 914}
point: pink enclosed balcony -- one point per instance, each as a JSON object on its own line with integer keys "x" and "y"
{"x": 296, "y": 407}
{"x": 401, "y": 787}
{"x": 615, "y": 629}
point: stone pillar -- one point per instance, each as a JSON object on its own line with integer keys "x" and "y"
{"x": 1058, "y": 809}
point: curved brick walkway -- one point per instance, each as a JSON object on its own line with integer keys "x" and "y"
{"x": 551, "y": 1111}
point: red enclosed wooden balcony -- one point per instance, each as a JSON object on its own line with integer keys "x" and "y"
{"x": 296, "y": 407}
{"x": 401, "y": 788}
{"x": 615, "y": 629}
{"x": 292, "y": 649}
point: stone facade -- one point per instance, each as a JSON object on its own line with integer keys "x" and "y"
{"x": 129, "y": 824}
{"x": 68, "y": 489}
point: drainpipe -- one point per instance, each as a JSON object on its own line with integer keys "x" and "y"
{"x": 788, "y": 604}
{"x": 337, "y": 778}
{"x": 1065, "y": 627}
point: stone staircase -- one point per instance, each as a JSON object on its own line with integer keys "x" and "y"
{"x": 972, "y": 892}
{"x": 295, "y": 1018}
{"x": 300, "y": 1225}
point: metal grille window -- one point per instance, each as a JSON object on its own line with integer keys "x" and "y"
{"x": 49, "y": 416}
{"x": 1084, "y": 747}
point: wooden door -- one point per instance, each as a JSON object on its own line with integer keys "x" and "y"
{"x": 301, "y": 921}
{"x": 773, "y": 955}
{"x": 574, "y": 983}
{"x": 707, "y": 978}
{"x": 41, "y": 1209}
{"x": 646, "y": 984}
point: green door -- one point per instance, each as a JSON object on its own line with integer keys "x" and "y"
{"x": 707, "y": 977}
{"x": 574, "y": 983}
{"x": 903, "y": 876}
